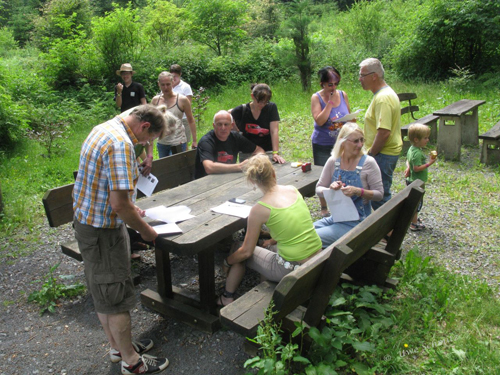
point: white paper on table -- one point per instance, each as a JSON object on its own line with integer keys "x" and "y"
{"x": 233, "y": 209}
{"x": 147, "y": 184}
{"x": 170, "y": 214}
{"x": 348, "y": 117}
{"x": 341, "y": 206}
{"x": 167, "y": 229}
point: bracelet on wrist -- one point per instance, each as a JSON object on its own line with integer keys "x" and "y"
{"x": 330, "y": 102}
{"x": 226, "y": 264}
{"x": 149, "y": 157}
{"x": 362, "y": 192}
{"x": 324, "y": 207}
{"x": 276, "y": 152}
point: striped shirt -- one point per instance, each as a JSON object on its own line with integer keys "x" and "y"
{"x": 107, "y": 163}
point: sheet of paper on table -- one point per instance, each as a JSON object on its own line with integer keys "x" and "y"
{"x": 167, "y": 229}
{"x": 233, "y": 209}
{"x": 341, "y": 206}
{"x": 147, "y": 184}
{"x": 349, "y": 117}
{"x": 169, "y": 215}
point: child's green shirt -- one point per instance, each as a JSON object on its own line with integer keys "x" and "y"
{"x": 416, "y": 158}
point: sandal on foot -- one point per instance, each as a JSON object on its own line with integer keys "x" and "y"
{"x": 225, "y": 294}
{"x": 420, "y": 223}
{"x": 415, "y": 227}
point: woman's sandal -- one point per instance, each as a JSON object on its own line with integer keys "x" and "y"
{"x": 225, "y": 294}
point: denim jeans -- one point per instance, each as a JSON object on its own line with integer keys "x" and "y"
{"x": 166, "y": 150}
{"x": 387, "y": 164}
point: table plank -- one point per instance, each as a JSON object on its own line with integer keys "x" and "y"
{"x": 459, "y": 108}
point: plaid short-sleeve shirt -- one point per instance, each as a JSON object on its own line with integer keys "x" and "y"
{"x": 107, "y": 163}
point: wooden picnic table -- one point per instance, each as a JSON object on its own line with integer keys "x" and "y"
{"x": 201, "y": 235}
{"x": 458, "y": 125}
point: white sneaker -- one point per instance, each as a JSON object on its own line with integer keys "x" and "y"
{"x": 146, "y": 365}
{"x": 141, "y": 347}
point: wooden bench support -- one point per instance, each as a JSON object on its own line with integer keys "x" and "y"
{"x": 490, "y": 152}
{"x": 430, "y": 120}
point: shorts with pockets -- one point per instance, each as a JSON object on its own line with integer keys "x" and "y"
{"x": 106, "y": 257}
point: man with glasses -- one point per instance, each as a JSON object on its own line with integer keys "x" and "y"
{"x": 103, "y": 204}
{"x": 382, "y": 123}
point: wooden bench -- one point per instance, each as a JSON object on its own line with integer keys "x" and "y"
{"x": 490, "y": 153}
{"x": 430, "y": 120}
{"x": 358, "y": 257}
{"x": 171, "y": 171}
{"x": 458, "y": 125}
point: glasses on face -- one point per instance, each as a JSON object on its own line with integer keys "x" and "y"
{"x": 364, "y": 75}
{"x": 356, "y": 141}
{"x": 265, "y": 102}
{"x": 331, "y": 84}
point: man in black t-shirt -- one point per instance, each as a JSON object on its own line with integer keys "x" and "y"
{"x": 129, "y": 94}
{"x": 217, "y": 150}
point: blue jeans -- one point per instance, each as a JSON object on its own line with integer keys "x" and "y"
{"x": 166, "y": 150}
{"x": 329, "y": 232}
{"x": 387, "y": 164}
{"x": 321, "y": 153}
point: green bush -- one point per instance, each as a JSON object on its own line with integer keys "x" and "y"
{"x": 453, "y": 34}
{"x": 7, "y": 42}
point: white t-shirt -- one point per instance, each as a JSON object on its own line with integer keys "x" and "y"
{"x": 184, "y": 89}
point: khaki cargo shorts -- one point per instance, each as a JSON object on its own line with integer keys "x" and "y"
{"x": 106, "y": 257}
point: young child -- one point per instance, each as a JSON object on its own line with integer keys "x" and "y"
{"x": 417, "y": 164}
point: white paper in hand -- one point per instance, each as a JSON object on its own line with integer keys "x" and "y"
{"x": 167, "y": 229}
{"x": 341, "y": 206}
{"x": 348, "y": 117}
{"x": 147, "y": 184}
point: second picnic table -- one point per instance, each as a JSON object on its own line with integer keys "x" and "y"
{"x": 458, "y": 127}
{"x": 200, "y": 236}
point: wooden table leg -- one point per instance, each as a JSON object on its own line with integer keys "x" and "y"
{"x": 206, "y": 269}
{"x": 163, "y": 273}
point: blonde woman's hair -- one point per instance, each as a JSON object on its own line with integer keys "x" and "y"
{"x": 346, "y": 131}
{"x": 165, "y": 74}
{"x": 418, "y": 131}
{"x": 260, "y": 171}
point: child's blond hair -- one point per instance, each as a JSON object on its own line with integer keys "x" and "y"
{"x": 418, "y": 131}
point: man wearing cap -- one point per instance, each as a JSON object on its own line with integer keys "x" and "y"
{"x": 129, "y": 94}
{"x": 103, "y": 202}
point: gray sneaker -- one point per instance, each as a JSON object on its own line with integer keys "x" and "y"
{"x": 141, "y": 347}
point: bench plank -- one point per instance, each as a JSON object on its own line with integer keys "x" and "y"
{"x": 459, "y": 108}
{"x": 490, "y": 152}
{"x": 493, "y": 133}
{"x": 58, "y": 205}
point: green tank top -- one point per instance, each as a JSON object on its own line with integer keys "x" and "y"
{"x": 293, "y": 229}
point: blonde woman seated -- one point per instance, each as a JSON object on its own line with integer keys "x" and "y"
{"x": 285, "y": 213}
{"x": 357, "y": 175}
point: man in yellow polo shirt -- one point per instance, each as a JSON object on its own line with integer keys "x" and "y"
{"x": 382, "y": 123}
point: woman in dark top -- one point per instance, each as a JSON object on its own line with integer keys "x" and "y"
{"x": 259, "y": 120}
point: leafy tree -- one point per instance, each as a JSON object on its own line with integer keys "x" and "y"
{"x": 61, "y": 19}
{"x": 265, "y": 18}
{"x": 117, "y": 38}
{"x": 297, "y": 28}
{"x": 19, "y": 16}
{"x": 13, "y": 118}
{"x": 455, "y": 34}
{"x": 162, "y": 19}
{"x": 216, "y": 23}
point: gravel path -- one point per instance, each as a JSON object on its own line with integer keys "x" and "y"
{"x": 462, "y": 235}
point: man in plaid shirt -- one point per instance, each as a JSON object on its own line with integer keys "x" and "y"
{"x": 103, "y": 202}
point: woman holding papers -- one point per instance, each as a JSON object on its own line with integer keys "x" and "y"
{"x": 327, "y": 105}
{"x": 285, "y": 213}
{"x": 355, "y": 174}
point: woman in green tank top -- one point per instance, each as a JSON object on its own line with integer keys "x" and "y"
{"x": 285, "y": 213}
